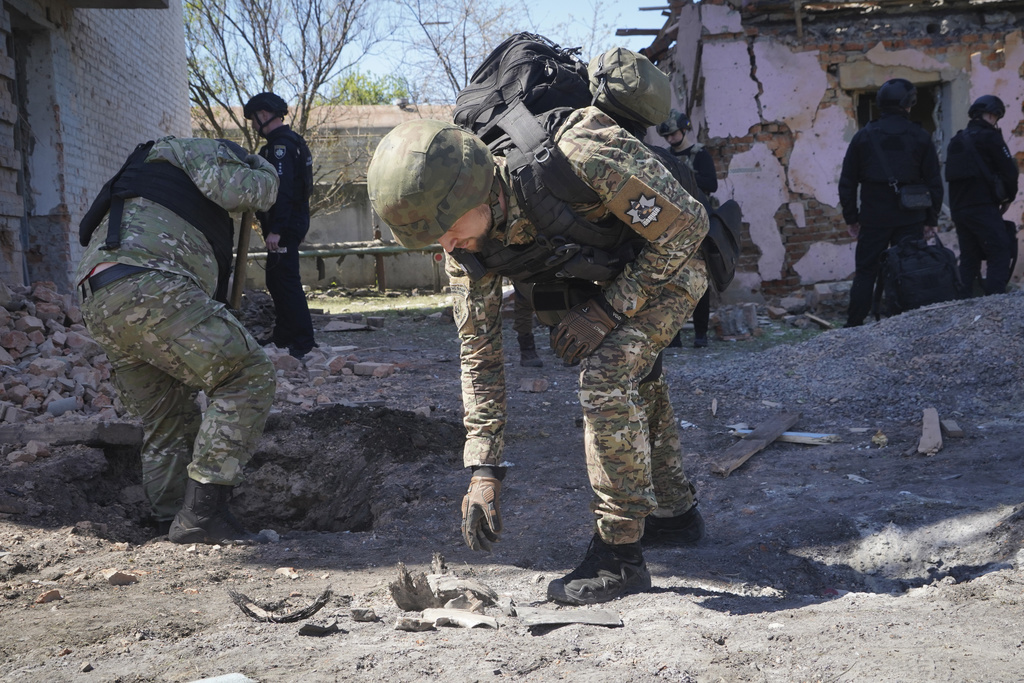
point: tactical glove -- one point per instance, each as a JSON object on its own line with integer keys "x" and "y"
{"x": 583, "y": 329}
{"x": 481, "y": 513}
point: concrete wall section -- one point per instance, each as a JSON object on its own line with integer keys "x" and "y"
{"x": 792, "y": 84}
{"x": 758, "y": 181}
{"x": 730, "y": 93}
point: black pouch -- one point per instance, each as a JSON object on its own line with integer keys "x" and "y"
{"x": 915, "y": 197}
{"x": 552, "y": 300}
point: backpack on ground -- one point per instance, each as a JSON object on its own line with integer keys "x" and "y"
{"x": 517, "y": 100}
{"x": 915, "y": 273}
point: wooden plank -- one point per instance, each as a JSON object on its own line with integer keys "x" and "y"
{"x": 96, "y": 434}
{"x": 931, "y": 433}
{"x": 951, "y": 429}
{"x": 808, "y": 438}
{"x": 532, "y": 616}
{"x": 742, "y": 450}
{"x": 820, "y": 322}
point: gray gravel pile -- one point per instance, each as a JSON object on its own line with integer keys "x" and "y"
{"x": 964, "y": 358}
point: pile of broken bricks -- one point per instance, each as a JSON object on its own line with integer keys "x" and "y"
{"x": 50, "y": 368}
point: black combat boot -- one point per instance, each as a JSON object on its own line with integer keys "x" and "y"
{"x": 528, "y": 357}
{"x": 684, "y": 529}
{"x": 205, "y": 518}
{"x": 607, "y": 572}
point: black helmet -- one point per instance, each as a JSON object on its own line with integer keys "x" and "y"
{"x": 265, "y": 101}
{"x": 676, "y": 121}
{"x": 898, "y": 93}
{"x": 987, "y": 104}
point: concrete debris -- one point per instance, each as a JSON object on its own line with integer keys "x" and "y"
{"x": 413, "y": 624}
{"x": 116, "y": 577}
{"x": 319, "y": 630}
{"x": 461, "y": 618}
{"x": 364, "y": 614}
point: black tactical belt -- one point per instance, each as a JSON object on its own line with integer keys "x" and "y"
{"x": 111, "y": 274}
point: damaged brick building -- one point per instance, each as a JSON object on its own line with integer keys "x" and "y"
{"x": 81, "y": 83}
{"x": 776, "y": 89}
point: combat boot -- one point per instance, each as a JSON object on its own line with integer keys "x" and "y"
{"x": 607, "y": 572}
{"x": 684, "y": 529}
{"x": 528, "y": 357}
{"x": 205, "y": 518}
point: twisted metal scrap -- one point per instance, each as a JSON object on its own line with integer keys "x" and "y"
{"x": 264, "y": 612}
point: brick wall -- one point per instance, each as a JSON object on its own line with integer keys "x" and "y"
{"x": 99, "y": 81}
{"x": 949, "y": 39}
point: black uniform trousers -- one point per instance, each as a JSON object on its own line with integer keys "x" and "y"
{"x": 983, "y": 237}
{"x": 871, "y": 243}
{"x": 293, "y": 328}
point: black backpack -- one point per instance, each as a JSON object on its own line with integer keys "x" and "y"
{"x": 915, "y": 273}
{"x": 515, "y": 102}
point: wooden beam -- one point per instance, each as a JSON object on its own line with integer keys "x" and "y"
{"x": 931, "y": 433}
{"x": 637, "y": 31}
{"x": 742, "y": 450}
{"x": 809, "y": 438}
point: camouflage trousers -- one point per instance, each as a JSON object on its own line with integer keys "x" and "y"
{"x": 634, "y": 456}
{"x": 166, "y": 340}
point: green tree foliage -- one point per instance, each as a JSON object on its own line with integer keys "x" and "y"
{"x": 356, "y": 87}
{"x": 296, "y": 48}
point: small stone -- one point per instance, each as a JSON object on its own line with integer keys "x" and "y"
{"x": 118, "y": 578}
{"x": 364, "y": 614}
{"x": 49, "y": 596}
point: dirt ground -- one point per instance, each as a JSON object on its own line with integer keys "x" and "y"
{"x": 839, "y": 562}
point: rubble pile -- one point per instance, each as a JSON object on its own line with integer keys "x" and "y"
{"x": 49, "y": 365}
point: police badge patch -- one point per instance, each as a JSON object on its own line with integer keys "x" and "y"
{"x": 642, "y": 208}
{"x": 460, "y": 305}
{"x": 279, "y": 151}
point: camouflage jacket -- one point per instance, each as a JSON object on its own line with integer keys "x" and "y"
{"x": 632, "y": 184}
{"x": 153, "y": 236}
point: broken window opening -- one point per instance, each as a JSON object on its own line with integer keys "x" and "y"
{"x": 923, "y": 112}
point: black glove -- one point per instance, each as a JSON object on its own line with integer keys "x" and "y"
{"x": 481, "y": 512}
{"x": 583, "y": 329}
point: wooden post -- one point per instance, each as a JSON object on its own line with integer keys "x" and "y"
{"x": 382, "y": 284}
{"x": 241, "y": 260}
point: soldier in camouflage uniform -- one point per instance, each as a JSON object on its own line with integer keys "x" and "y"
{"x": 433, "y": 182}
{"x": 147, "y": 282}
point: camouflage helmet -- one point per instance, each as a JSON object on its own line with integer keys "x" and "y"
{"x": 424, "y": 176}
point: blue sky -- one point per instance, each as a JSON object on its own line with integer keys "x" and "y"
{"x": 551, "y": 17}
{"x": 622, "y": 15}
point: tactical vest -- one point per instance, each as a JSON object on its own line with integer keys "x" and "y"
{"x": 172, "y": 188}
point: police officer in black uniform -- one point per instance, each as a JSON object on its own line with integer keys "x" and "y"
{"x": 678, "y": 133}
{"x": 880, "y": 221}
{"x": 285, "y": 225}
{"x": 982, "y": 177}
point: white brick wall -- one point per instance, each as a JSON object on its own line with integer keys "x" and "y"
{"x": 100, "y": 81}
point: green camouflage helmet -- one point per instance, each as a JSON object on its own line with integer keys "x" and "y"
{"x": 424, "y": 176}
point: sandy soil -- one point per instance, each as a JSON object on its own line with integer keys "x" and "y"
{"x": 838, "y": 562}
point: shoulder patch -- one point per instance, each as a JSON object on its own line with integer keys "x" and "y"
{"x": 460, "y": 306}
{"x": 279, "y": 151}
{"x": 642, "y": 208}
